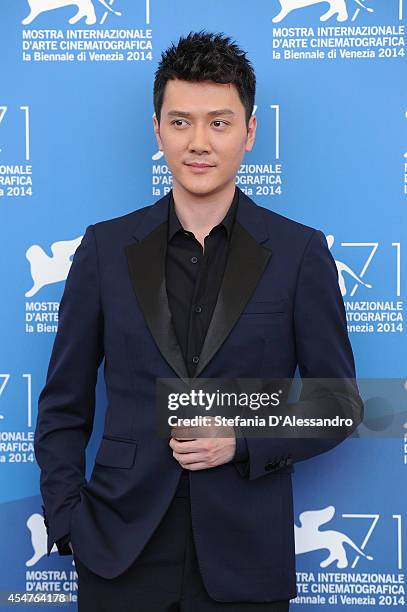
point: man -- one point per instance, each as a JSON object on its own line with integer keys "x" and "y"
{"x": 203, "y": 283}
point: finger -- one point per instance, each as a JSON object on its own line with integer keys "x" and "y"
{"x": 190, "y": 432}
{"x": 198, "y": 466}
{"x": 176, "y": 442}
{"x": 190, "y": 459}
{"x": 187, "y": 446}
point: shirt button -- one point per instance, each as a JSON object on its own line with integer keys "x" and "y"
{"x": 194, "y": 259}
{"x": 198, "y": 308}
{"x": 195, "y": 359}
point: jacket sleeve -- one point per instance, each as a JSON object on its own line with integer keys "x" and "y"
{"x": 66, "y": 404}
{"x": 63, "y": 545}
{"x": 323, "y": 352}
{"x": 241, "y": 451}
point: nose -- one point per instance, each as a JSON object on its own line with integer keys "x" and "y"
{"x": 199, "y": 142}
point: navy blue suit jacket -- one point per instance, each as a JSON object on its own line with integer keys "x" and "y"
{"x": 279, "y": 306}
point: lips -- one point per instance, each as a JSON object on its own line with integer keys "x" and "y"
{"x": 199, "y": 168}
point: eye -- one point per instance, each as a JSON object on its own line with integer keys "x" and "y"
{"x": 220, "y": 121}
{"x": 177, "y": 121}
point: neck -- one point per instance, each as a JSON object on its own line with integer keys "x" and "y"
{"x": 200, "y": 213}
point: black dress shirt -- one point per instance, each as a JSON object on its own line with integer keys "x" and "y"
{"x": 193, "y": 279}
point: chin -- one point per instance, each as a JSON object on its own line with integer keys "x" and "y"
{"x": 200, "y": 187}
{"x": 203, "y": 192}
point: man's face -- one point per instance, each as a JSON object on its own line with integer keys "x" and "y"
{"x": 203, "y": 123}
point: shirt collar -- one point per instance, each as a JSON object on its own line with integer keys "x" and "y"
{"x": 174, "y": 223}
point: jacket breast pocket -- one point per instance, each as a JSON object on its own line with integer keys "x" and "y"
{"x": 116, "y": 453}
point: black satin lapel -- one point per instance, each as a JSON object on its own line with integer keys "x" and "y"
{"x": 246, "y": 261}
{"x": 146, "y": 261}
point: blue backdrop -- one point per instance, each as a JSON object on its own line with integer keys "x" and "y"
{"x": 77, "y": 146}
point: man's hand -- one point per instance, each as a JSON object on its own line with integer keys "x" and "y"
{"x": 199, "y": 448}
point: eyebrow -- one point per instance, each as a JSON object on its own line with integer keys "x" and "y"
{"x": 220, "y": 111}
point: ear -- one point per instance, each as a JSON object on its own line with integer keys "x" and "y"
{"x": 157, "y": 132}
{"x": 251, "y": 133}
